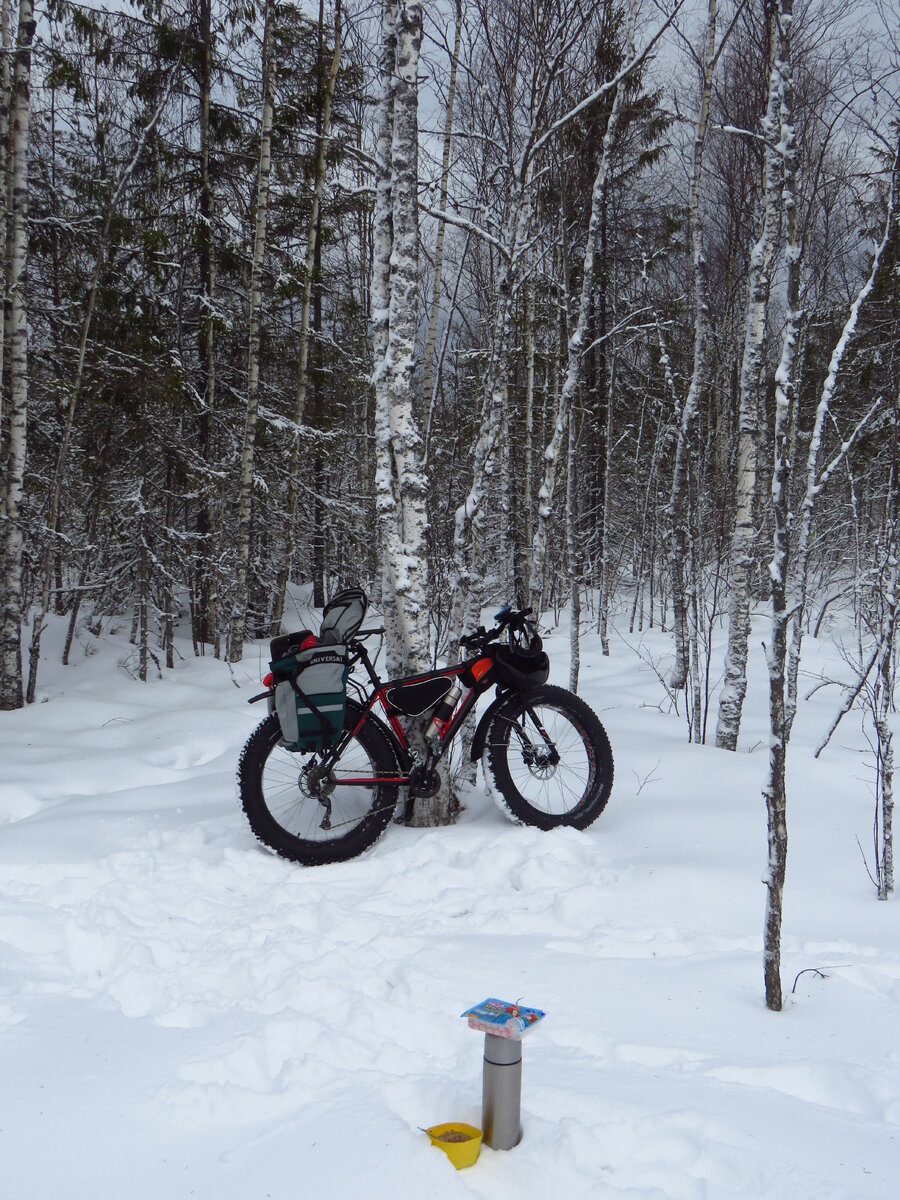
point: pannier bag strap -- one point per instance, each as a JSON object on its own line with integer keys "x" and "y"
{"x": 323, "y": 720}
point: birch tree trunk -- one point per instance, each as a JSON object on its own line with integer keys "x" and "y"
{"x": 400, "y": 483}
{"x": 206, "y": 603}
{"x": 605, "y": 523}
{"x": 382, "y": 243}
{"x": 677, "y": 519}
{"x": 11, "y": 582}
{"x": 762, "y": 262}
{"x": 400, "y": 479}
{"x": 302, "y": 368}
{"x": 883, "y": 693}
{"x": 239, "y": 612}
{"x": 527, "y": 485}
{"x": 573, "y": 554}
{"x": 431, "y": 340}
{"x": 775, "y": 792}
{"x": 5, "y": 98}
{"x": 409, "y": 567}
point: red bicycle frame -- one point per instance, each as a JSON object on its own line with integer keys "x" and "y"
{"x": 379, "y": 693}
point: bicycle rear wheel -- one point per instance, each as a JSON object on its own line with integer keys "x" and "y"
{"x": 313, "y": 826}
{"x": 548, "y": 760}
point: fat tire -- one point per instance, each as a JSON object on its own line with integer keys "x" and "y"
{"x": 310, "y": 852}
{"x": 501, "y": 743}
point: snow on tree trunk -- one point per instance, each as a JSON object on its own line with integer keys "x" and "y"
{"x": 431, "y": 339}
{"x": 573, "y": 553}
{"x": 11, "y": 581}
{"x": 883, "y": 690}
{"x": 529, "y": 412}
{"x": 400, "y": 483}
{"x": 677, "y": 520}
{"x": 400, "y": 480}
{"x": 743, "y": 540}
{"x": 284, "y": 574}
{"x": 576, "y": 339}
{"x": 383, "y": 240}
{"x": 605, "y": 520}
{"x": 205, "y": 607}
{"x": 408, "y": 567}
{"x": 5, "y": 97}
{"x": 245, "y": 504}
{"x": 775, "y": 792}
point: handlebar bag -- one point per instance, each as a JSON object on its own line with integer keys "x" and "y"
{"x": 342, "y": 616}
{"x": 311, "y": 696}
{"x": 522, "y": 668}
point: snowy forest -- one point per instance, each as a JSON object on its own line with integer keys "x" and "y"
{"x": 587, "y": 306}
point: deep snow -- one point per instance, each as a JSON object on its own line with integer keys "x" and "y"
{"x": 183, "y": 1014}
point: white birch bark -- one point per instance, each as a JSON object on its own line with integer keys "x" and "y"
{"x": 305, "y": 305}
{"x": 676, "y": 514}
{"x": 245, "y": 505}
{"x": 762, "y": 262}
{"x": 527, "y": 485}
{"x": 206, "y": 621}
{"x": 573, "y": 554}
{"x": 576, "y": 340}
{"x": 883, "y": 697}
{"x": 11, "y": 583}
{"x": 382, "y": 243}
{"x": 5, "y": 97}
{"x": 431, "y": 339}
{"x": 400, "y": 479}
{"x": 605, "y": 558}
{"x": 406, "y": 558}
{"x": 774, "y": 791}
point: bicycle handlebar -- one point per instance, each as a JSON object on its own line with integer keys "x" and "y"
{"x": 515, "y": 618}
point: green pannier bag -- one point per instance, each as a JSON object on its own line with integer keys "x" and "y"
{"x": 311, "y": 697}
{"x": 311, "y": 685}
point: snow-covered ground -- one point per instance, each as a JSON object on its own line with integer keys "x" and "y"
{"x": 183, "y": 1014}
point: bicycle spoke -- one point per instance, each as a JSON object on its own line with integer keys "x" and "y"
{"x": 553, "y": 787}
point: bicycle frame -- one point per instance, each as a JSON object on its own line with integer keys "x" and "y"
{"x": 378, "y": 694}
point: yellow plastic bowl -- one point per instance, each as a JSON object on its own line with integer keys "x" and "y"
{"x": 462, "y": 1153}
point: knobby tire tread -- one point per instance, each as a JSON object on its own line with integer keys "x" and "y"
{"x": 497, "y": 748}
{"x": 264, "y": 739}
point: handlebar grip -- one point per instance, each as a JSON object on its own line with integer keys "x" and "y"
{"x": 473, "y": 639}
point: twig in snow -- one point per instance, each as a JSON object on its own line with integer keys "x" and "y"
{"x": 648, "y": 778}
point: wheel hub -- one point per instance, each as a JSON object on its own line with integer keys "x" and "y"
{"x": 541, "y": 763}
{"x": 316, "y": 782}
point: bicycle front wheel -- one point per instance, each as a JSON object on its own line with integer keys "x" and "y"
{"x": 549, "y": 760}
{"x": 317, "y": 821}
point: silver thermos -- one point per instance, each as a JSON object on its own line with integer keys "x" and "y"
{"x": 501, "y": 1100}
